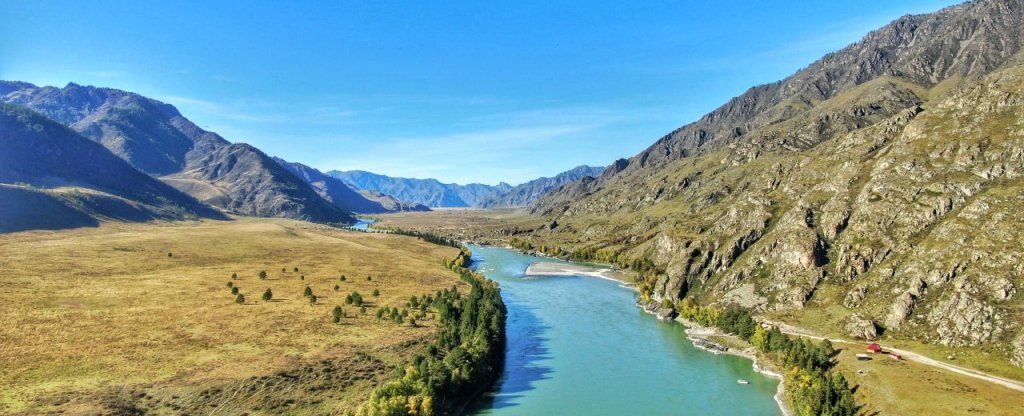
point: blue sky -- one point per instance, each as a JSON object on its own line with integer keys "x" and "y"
{"x": 459, "y": 91}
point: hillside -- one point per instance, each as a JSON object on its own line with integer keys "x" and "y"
{"x": 873, "y": 193}
{"x": 341, "y": 195}
{"x": 156, "y": 139}
{"x": 58, "y": 179}
{"x": 429, "y": 192}
{"x": 527, "y": 193}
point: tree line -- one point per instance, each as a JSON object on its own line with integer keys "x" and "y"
{"x": 466, "y": 355}
{"x": 813, "y": 387}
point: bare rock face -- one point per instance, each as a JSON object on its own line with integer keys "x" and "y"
{"x": 859, "y": 327}
{"x": 964, "y": 318}
{"x": 1017, "y": 356}
{"x": 900, "y": 310}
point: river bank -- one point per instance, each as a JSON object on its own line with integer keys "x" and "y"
{"x": 701, "y": 337}
{"x": 561, "y": 341}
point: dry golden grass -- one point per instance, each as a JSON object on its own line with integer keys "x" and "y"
{"x": 102, "y": 318}
{"x": 890, "y": 387}
{"x": 481, "y": 225}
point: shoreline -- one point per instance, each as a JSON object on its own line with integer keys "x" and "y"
{"x": 541, "y": 269}
{"x": 699, "y": 336}
{"x": 693, "y": 331}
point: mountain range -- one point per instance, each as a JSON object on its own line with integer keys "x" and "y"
{"x": 433, "y": 193}
{"x": 161, "y": 146}
{"x": 55, "y": 178}
{"x": 879, "y": 187}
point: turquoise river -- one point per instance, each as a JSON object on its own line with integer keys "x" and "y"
{"x": 579, "y": 346}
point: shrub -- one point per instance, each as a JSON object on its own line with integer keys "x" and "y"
{"x": 296, "y": 270}
{"x": 312, "y": 299}
{"x": 343, "y": 278}
{"x": 240, "y": 299}
{"x": 337, "y": 313}
{"x": 234, "y": 276}
{"x": 234, "y": 290}
{"x": 268, "y": 295}
{"x": 303, "y": 277}
{"x": 380, "y": 313}
{"x": 376, "y": 293}
{"x": 337, "y": 288}
{"x": 362, "y": 310}
{"x": 368, "y": 278}
{"x": 230, "y": 285}
{"x": 307, "y": 292}
{"x": 263, "y": 275}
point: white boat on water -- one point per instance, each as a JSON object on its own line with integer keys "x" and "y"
{"x": 742, "y": 381}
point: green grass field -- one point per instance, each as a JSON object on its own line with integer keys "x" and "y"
{"x": 102, "y": 320}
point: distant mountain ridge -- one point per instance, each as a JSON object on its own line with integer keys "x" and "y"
{"x": 527, "y": 193}
{"x": 341, "y": 194}
{"x": 429, "y": 192}
{"x": 435, "y": 194}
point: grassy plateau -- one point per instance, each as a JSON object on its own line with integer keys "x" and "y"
{"x": 131, "y": 318}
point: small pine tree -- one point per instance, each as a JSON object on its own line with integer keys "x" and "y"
{"x": 362, "y": 310}
{"x": 234, "y": 290}
{"x": 263, "y": 275}
{"x": 312, "y": 299}
{"x": 283, "y": 270}
{"x": 337, "y": 288}
{"x": 268, "y": 295}
{"x": 412, "y": 322}
{"x": 234, "y": 276}
{"x": 303, "y": 277}
{"x": 296, "y": 270}
{"x": 308, "y": 292}
{"x": 240, "y": 299}
{"x": 343, "y": 278}
{"x": 368, "y": 278}
{"x": 337, "y": 313}
{"x": 376, "y": 293}
{"x": 348, "y": 299}
{"x": 230, "y": 284}
{"x": 380, "y": 313}
{"x": 170, "y": 255}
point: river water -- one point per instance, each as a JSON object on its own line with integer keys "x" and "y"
{"x": 579, "y": 346}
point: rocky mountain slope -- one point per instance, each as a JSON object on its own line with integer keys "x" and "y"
{"x": 878, "y": 188}
{"x": 527, "y": 193}
{"x": 155, "y": 138}
{"x": 55, "y": 178}
{"x": 429, "y": 192}
{"x": 340, "y": 194}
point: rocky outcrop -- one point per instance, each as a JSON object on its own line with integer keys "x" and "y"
{"x": 859, "y": 327}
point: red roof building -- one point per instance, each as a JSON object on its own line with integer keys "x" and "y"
{"x": 874, "y": 348}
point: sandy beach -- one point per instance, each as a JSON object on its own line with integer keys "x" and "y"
{"x": 561, "y": 269}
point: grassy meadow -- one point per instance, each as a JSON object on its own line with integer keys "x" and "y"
{"x": 126, "y": 318}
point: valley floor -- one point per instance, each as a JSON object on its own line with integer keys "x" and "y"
{"x": 139, "y": 317}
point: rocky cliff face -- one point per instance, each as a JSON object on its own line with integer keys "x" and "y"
{"x": 883, "y": 178}
{"x": 156, "y": 139}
